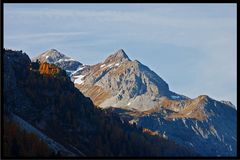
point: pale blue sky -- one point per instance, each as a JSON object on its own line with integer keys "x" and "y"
{"x": 191, "y": 46}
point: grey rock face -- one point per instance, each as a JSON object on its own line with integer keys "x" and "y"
{"x": 130, "y": 83}
{"x": 118, "y": 56}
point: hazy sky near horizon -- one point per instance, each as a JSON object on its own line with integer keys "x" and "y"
{"x": 191, "y": 46}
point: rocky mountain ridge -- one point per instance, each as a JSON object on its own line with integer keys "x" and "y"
{"x": 139, "y": 95}
{"x": 123, "y": 83}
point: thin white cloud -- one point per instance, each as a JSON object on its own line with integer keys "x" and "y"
{"x": 153, "y": 17}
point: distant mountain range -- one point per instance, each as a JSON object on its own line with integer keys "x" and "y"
{"x": 139, "y": 95}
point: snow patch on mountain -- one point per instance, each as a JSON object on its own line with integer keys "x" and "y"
{"x": 103, "y": 65}
{"x": 175, "y": 97}
{"x": 78, "y": 79}
{"x": 77, "y": 70}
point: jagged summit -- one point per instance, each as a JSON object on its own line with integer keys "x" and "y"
{"x": 118, "y": 56}
{"x": 121, "y": 53}
{"x": 53, "y": 50}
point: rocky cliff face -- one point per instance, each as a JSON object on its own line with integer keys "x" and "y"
{"x": 123, "y": 83}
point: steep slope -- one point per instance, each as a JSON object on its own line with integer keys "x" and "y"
{"x": 24, "y": 140}
{"x": 53, "y": 106}
{"x": 202, "y": 124}
{"x": 17, "y": 142}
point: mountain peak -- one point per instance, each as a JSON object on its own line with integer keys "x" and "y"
{"x": 121, "y": 54}
{"x": 53, "y": 56}
{"x": 49, "y": 56}
{"x": 53, "y": 50}
{"x": 117, "y": 56}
